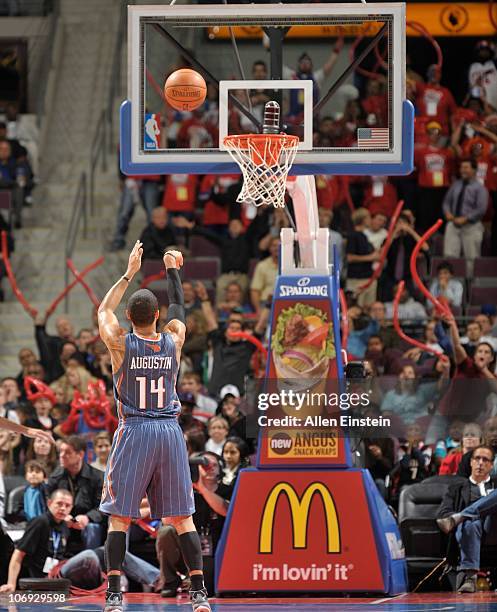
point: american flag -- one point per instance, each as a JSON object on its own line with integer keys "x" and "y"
{"x": 373, "y": 138}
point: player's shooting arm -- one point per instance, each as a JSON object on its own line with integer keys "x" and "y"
{"x": 108, "y": 325}
{"x": 176, "y": 320}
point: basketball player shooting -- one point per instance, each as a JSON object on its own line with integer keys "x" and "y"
{"x": 148, "y": 455}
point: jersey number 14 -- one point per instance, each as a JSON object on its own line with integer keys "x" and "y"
{"x": 156, "y": 386}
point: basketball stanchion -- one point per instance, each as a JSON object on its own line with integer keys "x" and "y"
{"x": 299, "y": 458}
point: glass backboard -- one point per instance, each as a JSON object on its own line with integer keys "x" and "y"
{"x": 337, "y": 70}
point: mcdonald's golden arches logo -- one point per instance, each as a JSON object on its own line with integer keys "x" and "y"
{"x": 299, "y": 511}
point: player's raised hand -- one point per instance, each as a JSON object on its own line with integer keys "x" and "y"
{"x": 135, "y": 260}
{"x": 173, "y": 259}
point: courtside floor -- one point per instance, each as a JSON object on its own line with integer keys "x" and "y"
{"x": 429, "y": 602}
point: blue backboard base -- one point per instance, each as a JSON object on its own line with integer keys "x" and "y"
{"x": 405, "y": 166}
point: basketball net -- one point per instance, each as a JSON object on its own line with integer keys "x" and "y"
{"x": 264, "y": 159}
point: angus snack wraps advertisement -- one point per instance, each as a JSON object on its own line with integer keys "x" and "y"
{"x": 302, "y": 364}
{"x": 302, "y": 343}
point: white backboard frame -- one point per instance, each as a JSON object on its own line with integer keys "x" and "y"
{"x": 209, "y": 14}
{"x": 285, "y": 84}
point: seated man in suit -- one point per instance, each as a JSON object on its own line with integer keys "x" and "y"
{"x": 468, "y": 507}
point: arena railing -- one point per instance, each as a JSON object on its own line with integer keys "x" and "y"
{"x": 46, "y": 66}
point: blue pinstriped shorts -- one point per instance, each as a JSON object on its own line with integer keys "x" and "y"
{"x": 148, "y": 458}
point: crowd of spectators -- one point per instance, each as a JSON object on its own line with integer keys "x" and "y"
{"x": 442, "y": 406}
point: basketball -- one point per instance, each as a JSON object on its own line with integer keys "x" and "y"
{"x": 185, "y": 89}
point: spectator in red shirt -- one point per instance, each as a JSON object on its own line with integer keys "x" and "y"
{"x": 482, "y": 149}
{"x": 434, "y": 100}
{"x": 217, "y": 194}
{"x": 180, "y": 194}
{"x": 435, "y": 166}
{"x": 380, "y": 196}
{"x": 353, "y": 117}
{"x": 195, "y": 133}
{"x": 467, "y": 400}
{"x": 375, "y": 103}
{"x": 329, "y": 190}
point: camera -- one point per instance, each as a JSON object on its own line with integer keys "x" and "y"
{"x": 355, "y": 370}
{"x": 194, "y": 462}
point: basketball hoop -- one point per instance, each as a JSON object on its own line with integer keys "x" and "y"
{"x": 264, "y": 159}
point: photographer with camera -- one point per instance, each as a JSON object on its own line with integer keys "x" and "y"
{"x": 212, "y": 499}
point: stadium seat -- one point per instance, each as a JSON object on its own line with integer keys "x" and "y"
{"x": 485, "y": 266}
{"x": 151, "y": 266}
{"x": 483, "y": 295}
{"x": 485, "y": 272}
{"x": 472, "y": 311}
{"x": 202, "y": 268}
{"x": 456, "y": 311}
{"x": 15, "y": 505}
{"x": 201, "y": 247}
{"x": 13, "y": 493}
{"x": 457, "y": 263}
{"x": 438, "y": 244}
{"x": 424, "y": 543}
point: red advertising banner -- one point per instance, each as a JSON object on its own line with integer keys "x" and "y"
{"x": 300, "y": 531}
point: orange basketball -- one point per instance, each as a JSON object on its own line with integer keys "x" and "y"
{"x": 185, "y": 89}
